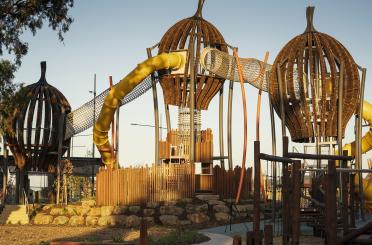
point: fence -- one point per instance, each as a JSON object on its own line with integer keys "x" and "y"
{"x": 139, "y": 185}
{"x": 226, "y": 182}
{"x": 167, "y": 182}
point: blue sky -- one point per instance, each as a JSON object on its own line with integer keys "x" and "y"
{"x": 111, "y": 37}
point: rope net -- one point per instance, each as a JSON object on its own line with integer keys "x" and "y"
{"x": 224, "y": 65}
{"x": 81, "y": 119}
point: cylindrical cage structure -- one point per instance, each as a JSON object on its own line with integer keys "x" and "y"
{"x": 310, "y": 67}
{"x": 197, "y": 33}
{"x": 34, "y": 127}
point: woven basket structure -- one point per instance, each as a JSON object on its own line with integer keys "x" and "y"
{"x": 200, "y": 33}
{"x": 34, "y": 134}
{"x": 310, "y": 67}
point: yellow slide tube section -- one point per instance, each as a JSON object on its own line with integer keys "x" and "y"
{"x": 367, "y": 138}
{"x": 112, "y": 101}
{"x": 366, "y": 146}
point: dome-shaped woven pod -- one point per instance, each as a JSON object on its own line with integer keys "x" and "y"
{"x": 34, "y": 137}
{"x": 310, "y": 72}
{"x": 176, "y": 86}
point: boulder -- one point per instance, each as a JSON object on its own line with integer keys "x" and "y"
{"x": 170, "y": 203}
{"x": 91, "y": 221}
{"x": 107, "y": 210}
{"x": 170, "y": 220}
{"x": 57, "y": 211}
{"x": 82, "y": 210}
{"x": 186, "y": 200}
{"x": 152, "y": 204}
{"x": 134, "y": 209}
{"x": 148, "y": 212}
{"x": 215, "y": 202}
{"x": 171, "y": 210}
{"x": 243, "y": 208}
{"x": 207, "y": 197}
{"x": 222, "y": 217}
{"x": 46, "y": 208}
{"x": 120, "y": 210}
{"x": 43, "y": 219}
{"x": 132, "y": 221}
{"x": 95, "y": 212}
{"x": 89, "y": 203}
{"x": 120, "y": 219}
{"x": 198, "y": 218}
{"x": 185, "y": 222}
{"x": 76, "y": 221}
{"x": 72, "y": 210}
{"x": 60, "y": 220}
{"x": 221, "y": 209}
{"x": 150, "y": 221}
{"x": 196, "y": 208}
{"x": 106, "y": 220}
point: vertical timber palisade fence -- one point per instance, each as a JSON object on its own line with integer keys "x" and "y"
{"x": 144, "y": 184}
{"x": 225, "y": 182}
{"x": 165, "y": 182}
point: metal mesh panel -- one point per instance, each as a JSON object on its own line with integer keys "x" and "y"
{"x": 223, "y": 65}
{"x": 82, "y": 118}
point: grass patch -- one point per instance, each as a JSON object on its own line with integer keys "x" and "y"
{"x": 179, "y": 237}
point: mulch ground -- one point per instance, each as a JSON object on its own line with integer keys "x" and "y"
{"x": 40, "y": 235}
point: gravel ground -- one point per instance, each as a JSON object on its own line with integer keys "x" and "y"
{"x": 36, "y": 235}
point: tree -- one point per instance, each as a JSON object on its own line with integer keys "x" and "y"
{"x": 17, "y": 16}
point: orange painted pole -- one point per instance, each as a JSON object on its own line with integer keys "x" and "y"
{"x": 112, "y": 129}
{"x": 241, "y": 79}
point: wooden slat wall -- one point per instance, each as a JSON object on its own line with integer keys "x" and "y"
{"x": 165, "y": 183}
{"x": 139, "y": 185}
{"x": 225, "y": 182}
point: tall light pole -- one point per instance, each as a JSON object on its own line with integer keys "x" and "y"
{"x": 94, "y": 122}
{"x": 94, "y": 109}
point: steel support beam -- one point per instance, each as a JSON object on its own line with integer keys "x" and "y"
{"x": 229, "y": 124}
{"x": 156, "y": 111}
{"x": 220, "y": 127}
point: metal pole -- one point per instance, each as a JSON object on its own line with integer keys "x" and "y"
{"x": 167, "y": 118}
{"x": 229, "y": 124}
{"x": 192, "y": 101}
{"x": 256, "y": 193}
{"x": 339, "y": 119}
{"x": 359, "y": 143}
{"x": 282, "y": 112}
{"x": 273, "y": 147}
{"x": 331, "y": 204}
{"x": 156, "y": 111}
{"x": 94, "y": 112}
{"x": 113, "y": 158}
{"x": 60, "y": 142}
{"x": 220, "y": 124}
{"x": 94, "y": 122}
{"x": 117, "y": 136}
{"x": 296, "y": 201}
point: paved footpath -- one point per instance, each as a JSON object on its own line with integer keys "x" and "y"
{"x": 217, "y": 239}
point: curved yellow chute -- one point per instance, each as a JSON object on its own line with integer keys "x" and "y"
{"x": 174, "y": 61}
{"x": 366, "y": 146}
{"x": 367, "y": 138}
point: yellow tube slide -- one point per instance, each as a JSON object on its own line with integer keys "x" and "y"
{"x": 366, "y": 146}
{"x": 174, "y": 61}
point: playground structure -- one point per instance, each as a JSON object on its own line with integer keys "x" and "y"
{"x": 314, "y": 86}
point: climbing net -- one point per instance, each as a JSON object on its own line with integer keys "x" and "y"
{"x": 82, "y": 118}
{"x": 222, "y": 64}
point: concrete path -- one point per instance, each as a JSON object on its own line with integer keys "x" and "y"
{"x": 217, "y": 239}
